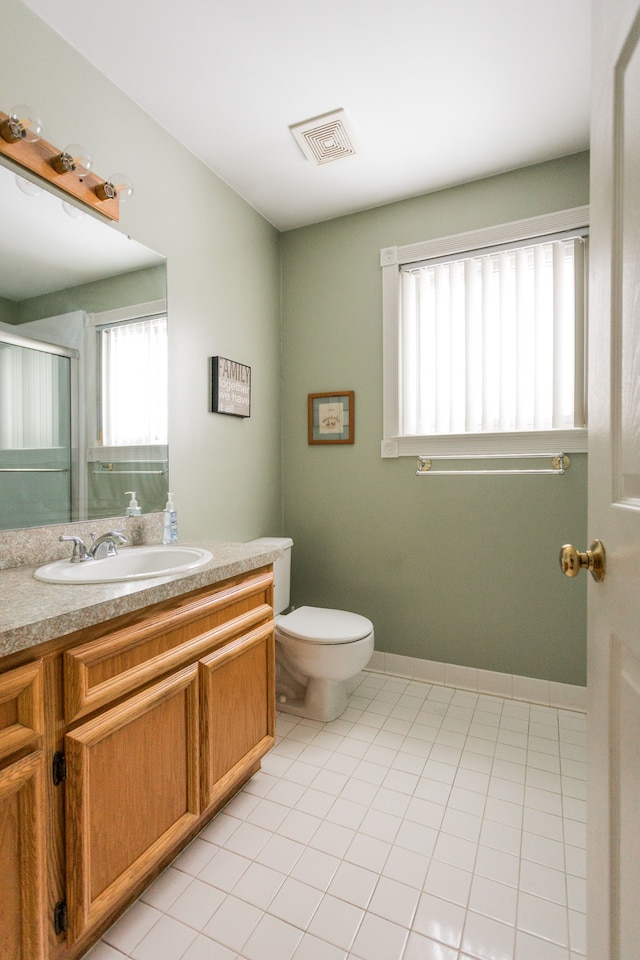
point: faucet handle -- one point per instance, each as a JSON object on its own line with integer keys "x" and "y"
{"x": 80, "y": 551}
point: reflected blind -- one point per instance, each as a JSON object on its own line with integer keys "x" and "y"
{"x": 29, "y": 398}
{"x": 492, "y": 342}
{"x": 133, "y": 382}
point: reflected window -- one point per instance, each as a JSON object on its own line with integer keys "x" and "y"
{"x": 132, "y": 382}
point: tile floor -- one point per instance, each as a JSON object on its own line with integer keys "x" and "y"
{"x": 426, "y": 823}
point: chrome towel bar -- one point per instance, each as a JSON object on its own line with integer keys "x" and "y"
{"x": 560, "y": 463}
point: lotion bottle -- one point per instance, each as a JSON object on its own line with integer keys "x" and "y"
{"x": 170, "y": 522}
{"x": 133, "y": 510}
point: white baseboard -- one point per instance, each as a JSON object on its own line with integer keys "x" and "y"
{"x": 566, "y": 696}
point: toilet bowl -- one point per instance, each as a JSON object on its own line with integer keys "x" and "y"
{"x": 318, "y": 650}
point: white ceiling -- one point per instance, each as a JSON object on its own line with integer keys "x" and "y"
{"x": 438, "y": 92}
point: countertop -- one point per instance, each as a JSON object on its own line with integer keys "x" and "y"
{"x": 32, "y": 612}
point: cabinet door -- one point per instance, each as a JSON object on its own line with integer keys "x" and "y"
{"x": 237, "y": 710}
{"x": 22, "y": 858}
{"x": 131, "y": 795}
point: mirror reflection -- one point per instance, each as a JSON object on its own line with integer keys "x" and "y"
{"x": 83, "y": 364}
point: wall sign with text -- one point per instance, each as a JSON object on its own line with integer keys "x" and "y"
{"x": 230, "y": 387}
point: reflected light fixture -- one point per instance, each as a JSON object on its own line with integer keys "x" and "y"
{"x": 72, "y": 211}
{"x": 28, "y": 187}
{"x": 21, "y": 124}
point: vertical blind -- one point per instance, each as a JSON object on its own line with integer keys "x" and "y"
{"x": 30, "y": 398}
{"x": 133, "y": 382}
{"x": 492, "y": 342}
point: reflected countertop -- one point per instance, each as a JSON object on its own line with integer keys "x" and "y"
{"x": 32, "y": 612}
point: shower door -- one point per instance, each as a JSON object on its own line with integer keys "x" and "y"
{"x": 37, "y": 463}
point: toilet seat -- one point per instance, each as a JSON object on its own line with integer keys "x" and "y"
{"x": 324, "y": 626}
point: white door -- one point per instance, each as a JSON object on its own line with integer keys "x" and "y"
{"x": 614, "y": 486}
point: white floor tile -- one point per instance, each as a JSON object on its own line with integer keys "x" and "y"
{"x": 167, "y": 940}
{"x": 439, "y": 919}
{"x": 232, "y": 922}
{"x": 203, "y": 948}
{"x": 488, "y": 939}
{"x": 128, "y": 931}
{"x": 394, "y": 901}
{"x": 196, "y": 905}
{"x": 272, "y": 939}
{"x": 312, "y": 948}
{"x": 353, "y": 884}
{"x": 336, "y": 921}
{"x": 295, "y": 903}
{"x": 379, "y": 939}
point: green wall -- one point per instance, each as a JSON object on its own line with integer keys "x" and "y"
{"x": 138, "y": 286}
{"x": 223, "y": 277}
{"x": 460, "y": 570}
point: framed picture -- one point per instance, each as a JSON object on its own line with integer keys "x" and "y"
{"x": 331, "y": 417}
{"x": 230, "y": 387}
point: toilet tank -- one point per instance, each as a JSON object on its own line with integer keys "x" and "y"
{"x": 281, "y": 571}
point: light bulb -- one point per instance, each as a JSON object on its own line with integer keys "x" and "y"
{"x": 72, "y": 211}
{"x": 22, "y": 124}
{"x": 74, "y": 159}
{"x": 28, "y": 186}
{"x": 116, "y": 185}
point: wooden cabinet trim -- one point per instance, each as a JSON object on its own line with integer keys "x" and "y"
{"x": 87, "y": 911}
{"x": 213, "y": 786}
{"x": 21, "y": 695}
{"x": 25, "y": 777}
{"x": 185, "y": 610}
{"x": 82, "y": 697}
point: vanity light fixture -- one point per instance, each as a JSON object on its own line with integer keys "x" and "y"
{"x": 69, "y": 170}
{"x": 116, "y": 186}
{"x": 21, "y": 124}
{"x": 74, "y": 159}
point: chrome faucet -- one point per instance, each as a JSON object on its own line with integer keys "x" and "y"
{"x": 101, "y": 547}
{"x": 105, "y": 545}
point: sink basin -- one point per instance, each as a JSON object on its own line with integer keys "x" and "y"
{"x": 131, "y": 563}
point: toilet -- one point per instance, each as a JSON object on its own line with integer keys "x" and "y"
{"x": 318, "y": 650}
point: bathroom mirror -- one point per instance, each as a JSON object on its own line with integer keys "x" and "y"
{"x": 66, "y": 276}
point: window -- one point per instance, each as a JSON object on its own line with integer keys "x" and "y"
{"x": 484, "y": 340}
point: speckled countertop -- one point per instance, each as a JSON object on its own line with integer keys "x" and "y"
{"x": 32, "y": 612}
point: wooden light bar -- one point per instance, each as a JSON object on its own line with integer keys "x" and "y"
{"x": 38, "y": 157}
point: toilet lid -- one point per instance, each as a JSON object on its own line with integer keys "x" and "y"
{"x": 319, "y": 625}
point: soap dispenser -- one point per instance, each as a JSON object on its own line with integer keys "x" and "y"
{"x": 133, "y": 510}
{"x": 169, "y": 521}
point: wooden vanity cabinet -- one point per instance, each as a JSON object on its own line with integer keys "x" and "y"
{"x": 156, "y": 719}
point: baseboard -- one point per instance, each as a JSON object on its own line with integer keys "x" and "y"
{"x": 565, "y": 696}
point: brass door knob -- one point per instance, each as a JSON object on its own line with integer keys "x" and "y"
{"x": 594, "y": 560}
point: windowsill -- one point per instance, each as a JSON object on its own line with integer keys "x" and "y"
{"x": 544, "y": 442}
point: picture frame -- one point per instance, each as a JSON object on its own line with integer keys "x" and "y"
{"x": 230, "y": 384}
{"x": 331, "y": 417}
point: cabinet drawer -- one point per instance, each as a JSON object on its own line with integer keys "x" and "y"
{"x": 99, "y": 672}
{"x": 21, "y": 709}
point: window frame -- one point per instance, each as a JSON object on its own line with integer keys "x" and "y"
{"x": 392, "y": 259}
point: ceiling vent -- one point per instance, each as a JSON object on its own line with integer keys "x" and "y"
{"x": 325, "y": 138}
